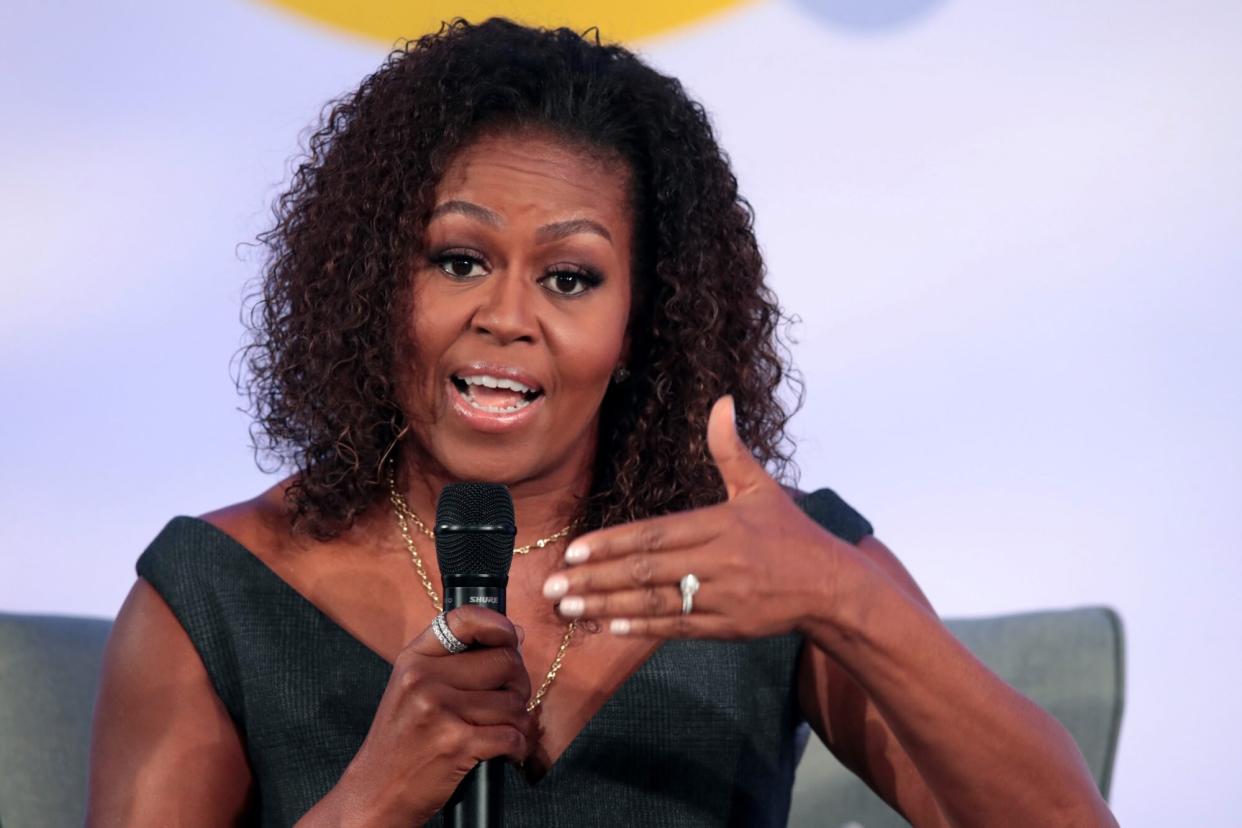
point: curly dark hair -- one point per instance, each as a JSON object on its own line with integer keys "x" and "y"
{"x": 324, "y": 336}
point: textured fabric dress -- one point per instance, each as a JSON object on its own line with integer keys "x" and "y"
{"x": 703, "y": 733}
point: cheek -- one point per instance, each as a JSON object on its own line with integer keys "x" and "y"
{"x": 416, "y": 388}
{"x": 589, "y": 352}
{"x": 433, "y": 327}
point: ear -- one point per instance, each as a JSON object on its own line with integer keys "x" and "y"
{"x": 623, "y": 360}
{"x": 738, "y": 467}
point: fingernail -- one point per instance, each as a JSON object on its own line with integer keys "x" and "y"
{"x": 555, "y": 587}
{"x": 619, "y": 626}
{"x": 572, "y": 607}
{"x": 577, "y": 553}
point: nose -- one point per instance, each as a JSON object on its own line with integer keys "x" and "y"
{"x": 506, "y": 312}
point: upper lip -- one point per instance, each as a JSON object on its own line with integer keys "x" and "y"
{"x": 492, "y": 369}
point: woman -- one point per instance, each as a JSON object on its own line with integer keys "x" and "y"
{"x": 519, "y": 256}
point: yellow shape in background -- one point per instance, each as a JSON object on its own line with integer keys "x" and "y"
{"x": 618, "y": 20}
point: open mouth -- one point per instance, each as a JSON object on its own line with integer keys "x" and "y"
{"x": 495, "y": 395}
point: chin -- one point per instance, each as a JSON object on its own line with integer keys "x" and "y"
{"x": 484, "y": 457}
{"x": 514, "y": 461}
{"x": 490, "y": 467}
{"x": 538, "y": 450}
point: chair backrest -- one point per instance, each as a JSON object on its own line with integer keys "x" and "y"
{"x": 1068, "y": 661}
{"x": 49, "y": 673}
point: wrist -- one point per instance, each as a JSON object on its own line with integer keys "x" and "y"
{"x": 363, "y": 800}
{"x": 847, "y": 600}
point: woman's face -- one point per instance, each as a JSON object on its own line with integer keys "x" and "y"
{"x": 521, "y": 301}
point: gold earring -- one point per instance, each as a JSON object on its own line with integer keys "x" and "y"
{"x": 379, "y": 467}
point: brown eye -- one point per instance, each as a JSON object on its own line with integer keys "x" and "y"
{"x": 460, "y": 266}
{"x": 570, "y": 282}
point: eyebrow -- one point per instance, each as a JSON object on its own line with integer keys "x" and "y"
{"x": 465, "y": 208}
{"x": 548, "y": 232}
{"x": 561, "y": 229}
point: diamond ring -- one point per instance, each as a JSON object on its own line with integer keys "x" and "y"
{"x": 689, "y": 586}
{"x": 445, "y": 635}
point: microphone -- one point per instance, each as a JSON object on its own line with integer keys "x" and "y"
{"x": 474, "y": 547}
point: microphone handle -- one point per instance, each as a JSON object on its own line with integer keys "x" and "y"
{"x": 478, "y": 801}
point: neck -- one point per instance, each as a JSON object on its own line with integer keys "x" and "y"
{"x": 542, "y": 504}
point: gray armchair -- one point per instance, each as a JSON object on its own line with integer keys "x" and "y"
{"x": 49, "y": 671}
{"x": 1068, "y": 661}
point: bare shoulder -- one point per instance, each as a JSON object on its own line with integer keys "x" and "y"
{"x": 260, "y": 524}
{"x": 164, "y": 750}
{"x": 884, "y": 558}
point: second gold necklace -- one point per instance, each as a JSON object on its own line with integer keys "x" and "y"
{"x": 405, "y": 514}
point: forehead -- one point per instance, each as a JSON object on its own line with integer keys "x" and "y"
{"x": 536, "y": 173}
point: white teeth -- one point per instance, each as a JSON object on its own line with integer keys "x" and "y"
{"x": 495, "y": 382}
{"x": 496, "y": 409}
{"x": 488, "y": 381}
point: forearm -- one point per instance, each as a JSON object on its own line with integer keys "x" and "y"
{"x": 989, "y": 755}
{"x": 357, "y": 801}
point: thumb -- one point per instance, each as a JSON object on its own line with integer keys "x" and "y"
{"x": 737, "y": 466}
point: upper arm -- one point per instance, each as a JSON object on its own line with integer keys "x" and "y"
{"x": 852, "y": 727}
{"x": 164, "y": 750}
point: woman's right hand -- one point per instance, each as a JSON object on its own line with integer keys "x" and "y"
{"x": 440, "y": 715}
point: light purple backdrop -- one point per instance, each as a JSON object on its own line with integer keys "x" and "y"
{"x": 1011, "y": 234}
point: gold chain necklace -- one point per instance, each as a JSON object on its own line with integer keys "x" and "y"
{"x": 519, "y": 550}
{"x": 406, "y": 514}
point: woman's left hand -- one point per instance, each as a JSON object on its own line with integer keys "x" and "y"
{"x": 763, "y": 566}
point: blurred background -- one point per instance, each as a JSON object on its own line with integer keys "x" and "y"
{"x": 1010, "y": 233}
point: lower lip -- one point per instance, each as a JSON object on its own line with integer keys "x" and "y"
{"x": 493, "y": 422}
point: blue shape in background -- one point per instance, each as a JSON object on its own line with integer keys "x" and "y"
{"x": 869, "y": 16}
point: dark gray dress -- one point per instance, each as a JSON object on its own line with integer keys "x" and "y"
{"x": 702, "y": 734}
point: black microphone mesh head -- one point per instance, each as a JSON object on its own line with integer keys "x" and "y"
{"x": 474, "y": 529}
